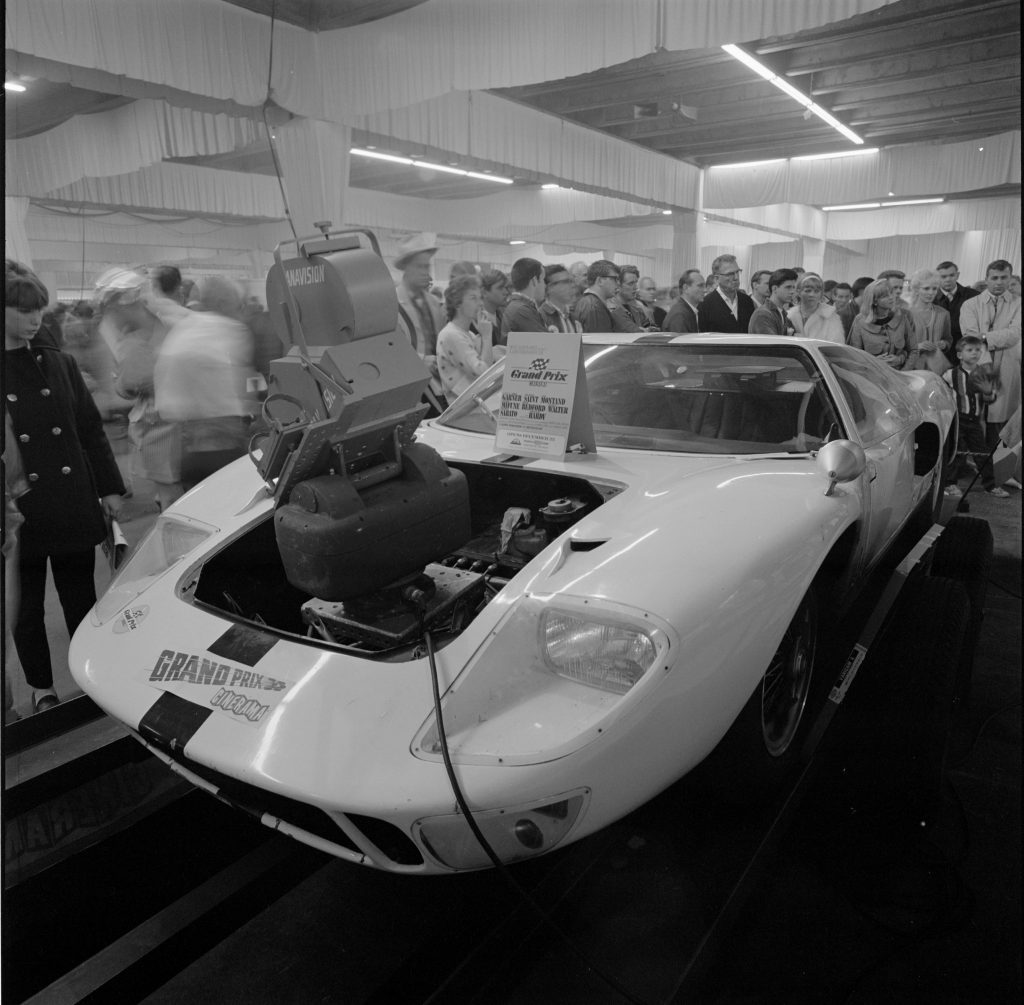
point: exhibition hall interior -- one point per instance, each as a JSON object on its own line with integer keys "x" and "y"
{"x": 512, "y": 501}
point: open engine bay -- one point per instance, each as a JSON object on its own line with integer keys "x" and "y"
{"x": 514, "y": 515}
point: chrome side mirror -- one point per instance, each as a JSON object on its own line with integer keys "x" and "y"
{"x": 841, "y": 461}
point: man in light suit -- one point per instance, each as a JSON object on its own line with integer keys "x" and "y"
{"x": 419, "y": 314}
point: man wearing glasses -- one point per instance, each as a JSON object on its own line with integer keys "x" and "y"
{"x": 727, "y": 309}
{"x": 556, "y": 309}
{"x": 592, "y": 310}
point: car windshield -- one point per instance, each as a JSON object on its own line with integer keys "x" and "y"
{"x": 705, "y": 399}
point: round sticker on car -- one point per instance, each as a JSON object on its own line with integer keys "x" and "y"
{"x": 130, "y": 619}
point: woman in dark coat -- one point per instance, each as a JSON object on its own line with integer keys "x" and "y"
{"x": 74, "y": 483}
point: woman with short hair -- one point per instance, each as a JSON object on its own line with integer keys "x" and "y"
{"x": 932, "y": 324}
{"x": 881, "y": 328}
{"x": 811, "y": 316}
{"x": 462, "y": 353}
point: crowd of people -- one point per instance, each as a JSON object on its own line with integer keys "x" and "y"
{"x": 925, "y": 321}
{"x": 160, "y": 378}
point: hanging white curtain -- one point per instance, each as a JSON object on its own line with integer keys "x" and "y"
{"x": 314, "y": 159}
{"x": 909, "y": 170}
{"x": 117, "y": 142}
{"x": 16, "y": 244}
{"x": 221, "y": 50}
{"x": 183, "y": 188}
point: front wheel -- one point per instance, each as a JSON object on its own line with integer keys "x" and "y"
{"x": 762, "y": 746}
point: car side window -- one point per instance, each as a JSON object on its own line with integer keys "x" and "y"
{"x": 880, "y": 404}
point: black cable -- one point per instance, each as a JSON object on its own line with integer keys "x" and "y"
{"x": 1005, "y": 589}
{"x": 266, "y": 126}
{"x": 485, "y": 844}
{"x": 981, "y": 729}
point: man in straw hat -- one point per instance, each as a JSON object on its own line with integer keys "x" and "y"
{"x": 419, "y": 313}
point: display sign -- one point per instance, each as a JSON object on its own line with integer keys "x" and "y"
{"x": 545, "y": 411}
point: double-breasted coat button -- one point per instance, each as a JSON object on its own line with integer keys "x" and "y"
{"x": 24, "y": 437}
{"x": 33, "y": 477}
{"x": 55, "y": 430}
{"x": 65, "y": 470}
{"x": 39, "y": 358}
{"x": 12, "y": 397}
{"x": 45, "y": 392}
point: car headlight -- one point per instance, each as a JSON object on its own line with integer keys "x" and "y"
{"x": 514, "y": 832}
{"x": 602, "y": 653}
{"x": 170, "y": 540}
{"x": 549, "y": 678}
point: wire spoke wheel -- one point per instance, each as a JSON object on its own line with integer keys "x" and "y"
{"x": 787, "y": 681}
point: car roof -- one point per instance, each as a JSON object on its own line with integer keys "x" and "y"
{"x": 709, "y": 338}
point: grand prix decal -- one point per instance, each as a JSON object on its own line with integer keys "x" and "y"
{"x": 229, "y": 689}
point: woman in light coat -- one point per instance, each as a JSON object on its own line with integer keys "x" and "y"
{"x": 811, "y": 316}
{"x": 932, "y": 324}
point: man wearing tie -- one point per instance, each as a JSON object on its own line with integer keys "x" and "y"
{"x": 994, "y": 316}
{"x": 952, "y": 296}
{"x": 682, "y": 315}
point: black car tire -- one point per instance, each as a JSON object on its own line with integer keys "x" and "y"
{"x": 762, "y": 747}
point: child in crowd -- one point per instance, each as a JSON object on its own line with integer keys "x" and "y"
{"x": 974, "y": 392}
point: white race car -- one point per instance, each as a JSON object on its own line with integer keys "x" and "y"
{"x": 597, "y": 623}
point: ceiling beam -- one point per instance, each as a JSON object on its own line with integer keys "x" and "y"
{"x": 926, "y": 40}
{"x": 912, "y": 65}
{"x": 904, "y": 15}
{"x": 991, "y": 74}
{"x": 928, "y": 109}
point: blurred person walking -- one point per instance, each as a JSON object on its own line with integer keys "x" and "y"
{"x": 201, "y": 378}
{"x": 133, "y": 332}
{"x": 71, "y": 472}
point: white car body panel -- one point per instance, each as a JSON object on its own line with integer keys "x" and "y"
{"x": 713, "y": 552}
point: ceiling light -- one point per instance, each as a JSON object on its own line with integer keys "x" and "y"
{"x": 517, "y": 242}
{"x": 550, "y": 184}
{"x": 749, "y": 164}
{"x": 913, "y": 202}
{"x": 787, "y": 88}
{"x": 14, "y": 85}
{"x": 380, "y": 157}
{"x": 490, "y": 177}
{"x": 853, "y": 205}
{"x": 438, "y": 167}
{"x": 666, "y": 212}
{"x": 839, "y": 153}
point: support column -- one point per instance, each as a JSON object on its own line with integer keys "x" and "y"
{"x": 686, "y": 231}
{"x": 814, "y": 255}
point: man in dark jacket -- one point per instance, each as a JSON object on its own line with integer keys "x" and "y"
{"x": 952, "y": 296}
{"x": 593, "y": 310}
{"x": 682, "y": 315}
{"x": 727, "y": 309}
{"x": 522, "y": 312}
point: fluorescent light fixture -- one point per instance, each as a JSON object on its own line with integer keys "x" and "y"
{"x": 517, "y": 242}
{"x": 439, "y": 167}
{"x": 840, "y": 153}
{"x": 550, "y": 184}
{"x": 853, "y": 205}
{"x": 395, "y": 159}
{"x": 749, "y": 164}
{"x": 14, "y": 85}
{"x": 490, "y": 177}
{"x": 914, "y": 202}
{"x": 377, "y": 156}
{"x": 787, "y": 88}
{"x": 666, "y": 212}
